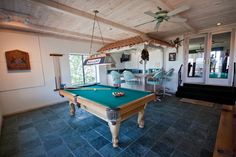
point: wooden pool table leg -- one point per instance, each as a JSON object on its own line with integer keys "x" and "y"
{"x": 72, "y": 108}
{"x": 114, "y": 132}
{"x": 141, "y": 117}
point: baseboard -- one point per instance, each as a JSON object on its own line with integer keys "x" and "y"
{"x": 32, "y": 109}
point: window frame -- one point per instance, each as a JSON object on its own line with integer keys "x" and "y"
{"x": 83, "y": 69}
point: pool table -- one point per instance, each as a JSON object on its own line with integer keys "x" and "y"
{"x": 99, "y": 100}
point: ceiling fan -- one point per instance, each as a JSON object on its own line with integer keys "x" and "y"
{"x": 164, "y": 15}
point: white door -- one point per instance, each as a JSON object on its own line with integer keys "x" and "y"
{"x": 195, "y": 55}
{"x": 219, "y": 65}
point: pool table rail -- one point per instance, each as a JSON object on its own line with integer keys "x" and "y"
{"x": 134, "y": 107}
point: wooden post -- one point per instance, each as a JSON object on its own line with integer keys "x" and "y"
{"x": 144, "y": 66}
{"x": 57, "y": 70}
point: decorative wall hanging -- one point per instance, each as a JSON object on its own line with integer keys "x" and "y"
{"x": 17, "y": 60}
{"x": 172, "y": 56}
{"x": 145, "y": 54}
{"x": 176, "y": 43}
{"x": 145, "y": 58}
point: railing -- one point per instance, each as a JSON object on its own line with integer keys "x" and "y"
{"x": 179, "y": 75}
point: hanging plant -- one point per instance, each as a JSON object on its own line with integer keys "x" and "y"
{"x": 145, "y": 55}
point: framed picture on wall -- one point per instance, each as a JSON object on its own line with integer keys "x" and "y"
{"x": 17, "y": 60}
{"x": 172, "y": 56}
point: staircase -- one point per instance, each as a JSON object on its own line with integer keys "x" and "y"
{"x": 212, "y": 93}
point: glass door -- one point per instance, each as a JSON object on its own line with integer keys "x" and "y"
{"x": 195, "y": 60}
{"x": 219, "y": 59}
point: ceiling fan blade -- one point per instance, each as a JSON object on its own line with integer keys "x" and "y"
{"x": 157, "y": 26}
{"x": 150, "y": 13}
{"x": 144, "y": 23}
{"x": 177, "y": 19}
{"x": 178, "y": 10}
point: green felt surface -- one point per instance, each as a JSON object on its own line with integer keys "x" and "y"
{"x": 106, "y": 98}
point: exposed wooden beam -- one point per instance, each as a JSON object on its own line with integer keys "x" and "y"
{"x": 20, "y": 17}
{"x": 69, "y": 10}
{"x": 14, "y": 25}
{"x": 168, "y": 6}
{"x": 6, "y": 12}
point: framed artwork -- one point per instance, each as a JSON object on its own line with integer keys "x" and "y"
{"x": 17, "y": 60}
{"x": 172, "y": 56}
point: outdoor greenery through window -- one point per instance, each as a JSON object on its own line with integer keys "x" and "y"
{"x": 81, "y": 74}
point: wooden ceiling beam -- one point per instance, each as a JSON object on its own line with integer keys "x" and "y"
{"x": 19, "y": 17}
{"x": 69, "y": 10}
{"x": 56, "y": 30}
{"x": 15, "y": 25}
{"x": 168, "y": 6}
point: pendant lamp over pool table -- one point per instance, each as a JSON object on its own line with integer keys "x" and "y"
{"x": 98, "y": 58}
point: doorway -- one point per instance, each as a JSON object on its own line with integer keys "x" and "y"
{"x": 209, "y": 59}
{"x": 219, "y": 69}
{"x": 195, "y": 59}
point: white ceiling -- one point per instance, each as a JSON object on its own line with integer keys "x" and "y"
{"x": 74, "y": 17}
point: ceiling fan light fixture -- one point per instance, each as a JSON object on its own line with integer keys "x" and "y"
{"x": 161, "y": 14}
{"x": 165, "y": 15}
{"x": 27, "y": 21}
{"x": 219, "y": 23}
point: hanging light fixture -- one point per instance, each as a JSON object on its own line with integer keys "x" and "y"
{"x": 98, "y": 58}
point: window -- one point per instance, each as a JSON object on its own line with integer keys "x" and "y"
{"x": 90, "y": 73}
{"x": 81, "y": 74}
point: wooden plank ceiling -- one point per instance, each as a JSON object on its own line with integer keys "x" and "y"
{"x": 117, "y": 18}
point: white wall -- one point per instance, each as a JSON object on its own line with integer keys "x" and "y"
{"x": 102, "y": 74}
{"x": 155, "y": 59}
{"x": 173, "y": 83}
{"x": 134, "y": 61}
{"x": 119, "y": 65}
{"x": 27, "y": 78}
{"x": 21, "y": 99}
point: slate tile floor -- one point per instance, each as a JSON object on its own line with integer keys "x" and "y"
{"x": 172, "y": 129}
